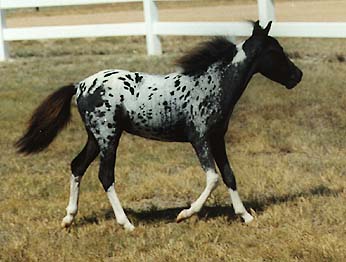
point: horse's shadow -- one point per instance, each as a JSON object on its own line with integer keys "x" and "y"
{"x": 208, "y": 212}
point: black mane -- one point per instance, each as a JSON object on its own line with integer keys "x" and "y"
{"x": 205, "y": 54}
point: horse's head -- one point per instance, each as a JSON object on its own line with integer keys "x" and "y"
{"x": 273, "y": 63}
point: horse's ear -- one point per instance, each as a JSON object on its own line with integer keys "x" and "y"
{"x": 267, "y": 29}
{"x": 257, "y": 29}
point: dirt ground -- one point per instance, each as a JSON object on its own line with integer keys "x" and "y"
{"x": 332, "y": 11}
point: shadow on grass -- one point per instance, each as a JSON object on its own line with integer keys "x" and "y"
{"x": 169, "y": 214}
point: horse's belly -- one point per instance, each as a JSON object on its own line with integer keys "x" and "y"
{"x": 158, "y": 130}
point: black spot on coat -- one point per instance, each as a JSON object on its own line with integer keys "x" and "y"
{"x": 94, "y": 83}
{"x": 129, "y": 77}
{"x": 138, "y": 77}
{"x": 111, "y": 73}
{"x": 187, "y": 94}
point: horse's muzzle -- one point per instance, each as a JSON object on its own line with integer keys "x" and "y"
{"x": 295, "y": 78}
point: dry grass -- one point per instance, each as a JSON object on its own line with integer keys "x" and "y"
{"x": 287, "y": 149}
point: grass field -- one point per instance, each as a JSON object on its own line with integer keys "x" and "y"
{"x": 287, "y": 148}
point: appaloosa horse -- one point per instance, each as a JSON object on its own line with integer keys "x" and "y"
{"x": 193, "y": 105}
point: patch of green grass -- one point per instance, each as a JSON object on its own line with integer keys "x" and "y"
{"x": 287, "y": 148}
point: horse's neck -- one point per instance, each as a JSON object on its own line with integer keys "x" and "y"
{"x": 239, "y": 72}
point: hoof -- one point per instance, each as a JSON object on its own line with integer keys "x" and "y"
{"x": 184, "y": 214}
{"x": 129, "y": 227}
{"x": 67, "y": 221}
{"x": 247, "y": 218}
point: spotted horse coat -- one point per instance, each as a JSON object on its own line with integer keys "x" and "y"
{"x": 175, "y": 107}
{"x": 193, "y": 105}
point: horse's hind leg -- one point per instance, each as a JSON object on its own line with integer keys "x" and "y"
{"x": 219, "y": 153}
{"x": 78, "y": 166}
{"x": 106, "y": 176}
{"x": 203, "y": 152}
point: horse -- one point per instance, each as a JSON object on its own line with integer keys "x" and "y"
{"x": 191, "y": 105}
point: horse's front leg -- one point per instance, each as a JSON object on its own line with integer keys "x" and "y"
{"x": 220, "y": 156}
{"x": 204, "y": 154}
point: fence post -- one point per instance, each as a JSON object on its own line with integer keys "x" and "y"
{"x": 151, "y": 16}
{"x": 266, "y": 11}
{"x": 3, "y": 45}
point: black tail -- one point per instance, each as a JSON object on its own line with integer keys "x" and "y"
{"x": 48, "y": 119}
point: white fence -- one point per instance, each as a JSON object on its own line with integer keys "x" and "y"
{"x": 152, "y": 28}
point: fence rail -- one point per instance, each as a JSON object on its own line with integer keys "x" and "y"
{"x": 152, "y": 28}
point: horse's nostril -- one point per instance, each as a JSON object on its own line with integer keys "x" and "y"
{"x": 297, "y": 75}
{"x": 300, "y": 75}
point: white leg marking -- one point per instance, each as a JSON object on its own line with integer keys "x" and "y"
{"x": 212, "y": 179}
{"x": 238, "y": 206}
{"x": 118, "y": 210}
{"x": 72, "y": 207}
